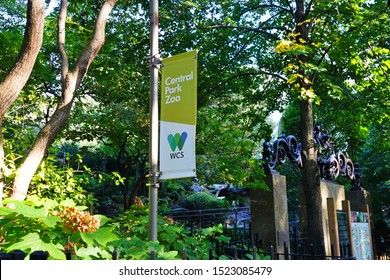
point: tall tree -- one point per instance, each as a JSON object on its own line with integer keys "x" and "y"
{"x": 17, "y": 77}
{"x": 70, "y": 82}
{"x": 300, "y": 50}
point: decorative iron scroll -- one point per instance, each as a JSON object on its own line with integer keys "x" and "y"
{"x": 331, "y": 163}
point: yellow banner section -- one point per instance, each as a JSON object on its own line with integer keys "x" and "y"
{"x": 179, "y": 88}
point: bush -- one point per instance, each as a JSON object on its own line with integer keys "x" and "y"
{"x": 172, "y": 238}
{"x": 57, "y": 227}
{"x": 202, "y": 200}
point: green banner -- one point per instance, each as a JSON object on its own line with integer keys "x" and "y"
{"x": 178, "y": 116}
{"x": 179, "y": 88}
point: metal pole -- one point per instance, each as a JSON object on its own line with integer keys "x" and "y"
{"x": 153, "y": 111}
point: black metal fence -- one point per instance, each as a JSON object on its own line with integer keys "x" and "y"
{"x": 20, "y": 255}
{"x": 208, "y": 217}
{"x": 240, "y": 251}
{"x": 242, "y": 245}
{"x": 243, "y": 250}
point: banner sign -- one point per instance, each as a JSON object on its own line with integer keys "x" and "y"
{"x": 178, "y": 116}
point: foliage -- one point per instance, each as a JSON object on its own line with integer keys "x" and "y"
{"x": 173, "y": 190}
{"x": 132, "y": 228}
{"x": 202, "y": 200}
{"x": 55, "y": 227}
{"x": 59, "y": 181}
{"x": 54, "y": 182}
{"x": 248, "y": 67}
{"x": 375, "y": 164}
{"x": 228, "y": 146}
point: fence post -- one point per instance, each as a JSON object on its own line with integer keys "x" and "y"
{"x": 217, "y": 247}
{"x": 312, "y": 251}
{"x": 345, "y": 245}
{"x": 256, "y": 240}
{"x": 240, "y": 248}
{"x": 286, "y": 256}
{"x": 17, "y": 255}
{"x": 68, "y": 255}
{"x": 323, "y": 255}
{"x": 4, "y": 256}
{"x": 295, "y": 238}
{"x": 300, "y": 252}
{"x": 235, "y": 255}
{"x": 254, "y": 252}
{"x": 115, "y": 254}
{"x": 152, "y": 254}
{"x": 272, "y": 252}
{"x": 342, "y": 255}
{"x": 39, "y": 255}
{"x": 184, "y": 254}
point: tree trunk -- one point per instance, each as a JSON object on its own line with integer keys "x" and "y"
{"x": 20, "y": 72}
{"x": 41, "y": 145}
{"x": 310, "y": 172}
{"x": 70, "y": 83}
{"x": 135, "y": 189}
{"x": 311, "y": 178}
{"x": 2, "y": 163}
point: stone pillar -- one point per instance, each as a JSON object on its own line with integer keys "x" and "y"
{"x": 269, "y": 214}
{"x": 329, "y": 189}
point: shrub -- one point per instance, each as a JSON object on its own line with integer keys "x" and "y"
{"x": 202, "y": 200}
{"x": 172, "y": 238}
{"x": 44, "y": 224}
{"x": 56, "y": 227}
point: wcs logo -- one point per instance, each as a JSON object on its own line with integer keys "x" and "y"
{"x": 177, "y": 141}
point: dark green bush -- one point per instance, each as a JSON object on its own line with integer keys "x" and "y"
{"x": 202, "y": 200}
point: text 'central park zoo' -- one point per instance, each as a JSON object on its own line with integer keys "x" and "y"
{"x": 173, "y": 87}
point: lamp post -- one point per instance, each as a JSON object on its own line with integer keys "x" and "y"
{"x": 153, "y": 131}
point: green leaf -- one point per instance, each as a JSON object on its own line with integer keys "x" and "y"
{"x": 171, "y": 255}
{"x": 102, "y": 236}
{"x": 32, "y": 242}
{"x": 103, "y": 219}
{"x": 4, "y": 211}
{"x": 51, "y": 221}
{"x": 191, "y": 4}
{"x": 86, "y": 253}
{"x": 87, "y": 238}
{"x": 68, "y": 203}
{"x": 19, "y": 207}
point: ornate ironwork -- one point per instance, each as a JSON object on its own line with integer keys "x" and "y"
{"x": 331, "y": 163}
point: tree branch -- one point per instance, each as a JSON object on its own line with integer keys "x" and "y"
{"x": 266, "y": 6}
{"x": 20, "y": 73}
{"x": 220, "y": 83}
{"x": 320, "y": 61}
{"x": 98, "y": 39}
{"x": 61, "y": 39}
{"x": 70, "y": 83}
{"x": 308, "y": 8}
{"x": 244, "y": 28}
